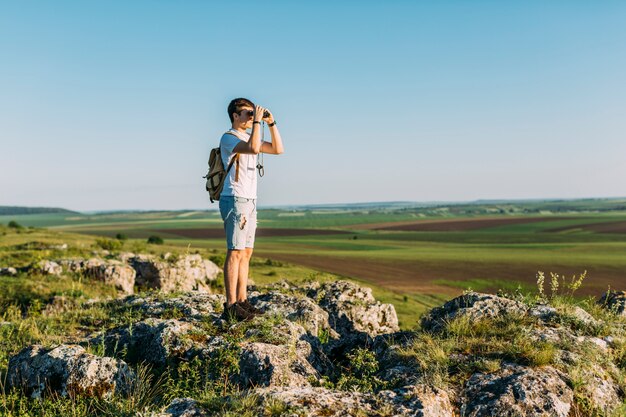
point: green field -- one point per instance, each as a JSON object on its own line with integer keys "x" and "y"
{"x": 488, "y": 246}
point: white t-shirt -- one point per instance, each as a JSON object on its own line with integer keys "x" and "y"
{"x": 246, "y": 186}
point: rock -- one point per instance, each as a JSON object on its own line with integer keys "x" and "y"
{"x": 47, "y": 267}
{"x": 192, "y": 305}
{"x": 126, "y": 256}
{"x": 154, "y": 341}
{"x": 419, "y": 401}
{"x": 79, "y": 265}
{"x": 295, "y": 308}
{"x": 187, "y": 273}
{"x": 183, "y": 407}
{"x": 115, "y": 273}
{"x": 474, "y": 305}
{"x": 263, "y": 364}
{"x": 67, "y": 370}
{"x": 614, "y": 301}
{"x": 9, "y": 271}
{"x": 352, "y": 309}
{"x": 599, "y": 388}
{"x": 517, "y": 391}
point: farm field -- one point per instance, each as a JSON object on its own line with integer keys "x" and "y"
{"x": 414, "y": 252}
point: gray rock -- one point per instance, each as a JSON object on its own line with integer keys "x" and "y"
{"x": 516, "y": 391}
{"x": 191, "y": 305}
{"x": 9, "y": 271}
{"x": 352, "y": 309}
{"x": 67, "y": 370}
{"x": 474, "y": 305}
{"x": 114, "y": 273}
{"x": 183, "y": 407}
{"x": 154, "y": 341}
{"x": 187, "y": 273}
{"x": 296, "y": 308}
{"x": 47, "y": 267}
{"x": 614, "y": 301}
{"x": 263, "y": 364}
{"x": 418, "y": 401}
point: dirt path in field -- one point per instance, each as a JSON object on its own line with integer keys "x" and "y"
{"x": 454, "y": 225}
{"x": 417, "y": 276}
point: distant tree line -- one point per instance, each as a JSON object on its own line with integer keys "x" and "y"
{"x": 14, "y": 210}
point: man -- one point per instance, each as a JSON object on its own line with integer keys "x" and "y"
{"x": 238, "y": 198}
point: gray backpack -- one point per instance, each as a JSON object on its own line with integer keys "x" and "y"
{"x": 217, "y": 174}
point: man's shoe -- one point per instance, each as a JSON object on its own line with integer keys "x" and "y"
{"x": 236, "y": 312}
{"x": 250, "y": 308}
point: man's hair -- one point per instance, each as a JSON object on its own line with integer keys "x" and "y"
{"x": 237, "y": 105}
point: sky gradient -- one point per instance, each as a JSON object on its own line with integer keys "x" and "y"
{"x": 116, "y": 105}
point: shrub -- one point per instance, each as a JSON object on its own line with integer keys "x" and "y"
{"x": 121, "y": 236}
{"x": 155, "y": 240}
{"x": 109, "y": 244}
{"x": 15, "y": 225}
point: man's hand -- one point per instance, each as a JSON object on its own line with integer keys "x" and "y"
{"x": 258, "y": 113}
{"x": 269, "y": 119}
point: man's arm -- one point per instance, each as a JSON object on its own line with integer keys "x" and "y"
{"x": 276, "y": 146}
{"x": 253, "y": 145}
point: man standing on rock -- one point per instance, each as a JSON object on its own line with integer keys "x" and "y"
{"x": 238, "y": 199}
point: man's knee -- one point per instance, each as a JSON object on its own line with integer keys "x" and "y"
{"x": 236, "y": 254}
{"x": 248, "y": 253}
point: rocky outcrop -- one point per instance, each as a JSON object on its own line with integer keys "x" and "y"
{"x": 191, "y": 305}
{"x": 473, "y": 305}
{"x": 352, "y": 309}
{"x": 518, "y": 391}
{"x": 67, "y": 370}
{"x": 187, "y": 273}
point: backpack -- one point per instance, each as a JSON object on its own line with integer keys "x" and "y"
{"x": 217, "y": 174}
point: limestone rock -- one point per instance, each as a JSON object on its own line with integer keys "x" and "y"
{"x": 8, "y": 271}
{"x": 295, "y": 308}
{"x": 352, "y": 309}
{"x": 191, "y": 305}
{"x": 183, "y": 407}
{"x": 67, "y": 370}
{"x": 154, "y": 341}
{"x": 419, "y": 401}
{"x": 48, "y": 267}
{"x": 113, "y": 273}
{"x": 263, "y": 364}
{"x": 516, "y": 391}
{"x": 187, "y": 273}
{"x": 472, "y": 304}
{"x": 614, "y": 301}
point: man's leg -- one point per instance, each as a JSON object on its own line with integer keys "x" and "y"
{"x": 231, "y": 273}
{"x": 243, "y": 268}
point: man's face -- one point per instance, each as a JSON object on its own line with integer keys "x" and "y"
{"x": 245, "y": 117}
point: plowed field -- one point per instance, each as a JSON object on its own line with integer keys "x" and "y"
{"x": 458, "y": 225}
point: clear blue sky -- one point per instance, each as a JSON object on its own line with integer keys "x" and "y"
{"x": 116, "y": 104}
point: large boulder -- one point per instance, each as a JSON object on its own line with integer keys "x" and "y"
{"x": 516, "y": 391}
{"x": 114, "y": 273}
{"x": 353, "y": 310}
{"x": 154, "y": 341}
{"x": 296, "y": 308}
{"x": 67, "y": 370}
{"x": 474, "y": 305}
{"x": 185, "y": 273}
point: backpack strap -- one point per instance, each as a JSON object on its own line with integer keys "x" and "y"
{"x": 235, "y": 159}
